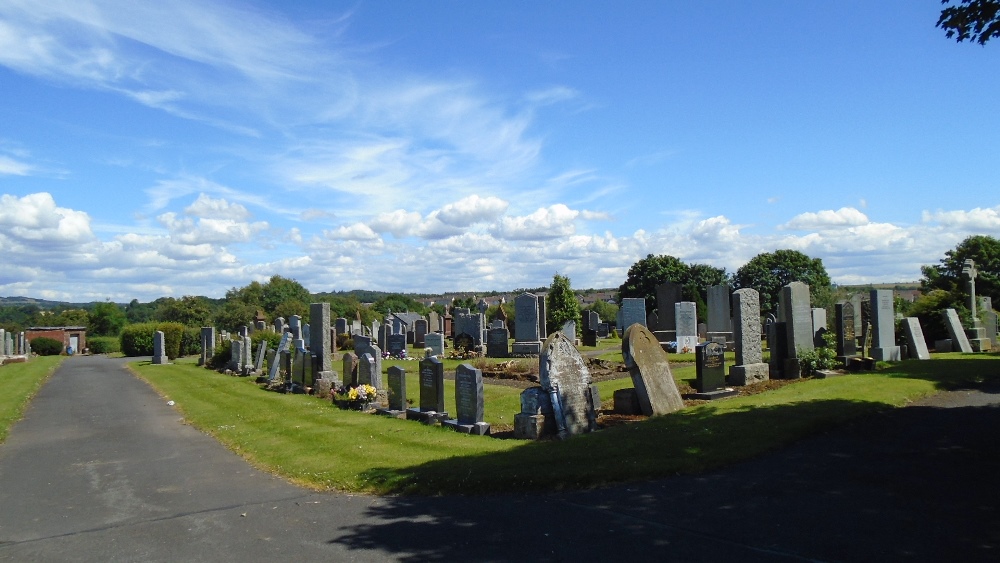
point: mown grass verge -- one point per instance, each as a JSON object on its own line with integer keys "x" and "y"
{"x": 312, "y": 443}
{"x": 18, "y": 384}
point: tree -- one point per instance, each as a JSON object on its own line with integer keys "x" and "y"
{"x": 605, "y": 310}
{"x": 948, "y": 276}
{"x": 188, "y": 310}
{"x": 234, "y": 314}
{"x": 768, "y": 272}
{"x": 975, "y": 20}
{"x": 106, "y": 319}
{"x": 561, "y": 305}
{"x": 651, "y": 271}
{"x": 700, "y": 278}
{"x": 136, "y": 312}
{"x": 279, "y": 290}
{"x": 399, "y": 304}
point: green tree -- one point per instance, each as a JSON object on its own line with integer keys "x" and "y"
{"x": 279, "y": 290}
{"x": 399, "y": 304}
{"x": 768, "y": 272}
{"x": 193, "y": 311}
{"x": 292, "y": 307}
{"x": 136, "y": 312}
{"x": 561, "y": 305}
{"x": 649, "y": 272}
{"x": 106, "y": 319}
{"x": 70, "y": 317}
{"x": 234, "y": 314}
{"x": 948, "y": 276}
{"x": 607, "y": 311}
{"x": 973, "y": 20}
{"x": 462, "y": 303}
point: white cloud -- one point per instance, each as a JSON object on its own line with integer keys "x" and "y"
{"x": 984, "y": 219}
{"x": 472, "y": 209}
{"x": 546, "y": 223}
{"x": 206, "y": 206}
{"x": 11, "y": 167}
{"x": 843, "y": 217}
{"x": 36, "y": 219}
{"x": 356, "y": 232}
{"x": 399, "y": 222}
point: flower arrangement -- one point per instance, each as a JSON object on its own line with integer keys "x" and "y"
{"x": 364, "y": 393}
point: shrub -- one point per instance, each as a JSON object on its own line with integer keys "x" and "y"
{"x": 820, "y": 357}
{"x": 137, "y": 339}
{"x": 44, "y": 346}
{"x": 273, "y": 339}
{"x": 191, "y": 342}
{"x": 172, "y": 335}
{"x": 221, "y": 357}
{"x": 345, "y": 341}
{"x": 104, "y": 344}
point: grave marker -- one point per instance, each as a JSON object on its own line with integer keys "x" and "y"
{"x": 468, "y": 402}
{"x": 649, "y": 367}
{"x": 915, "y": 343}
{"x": 749, "y": 366}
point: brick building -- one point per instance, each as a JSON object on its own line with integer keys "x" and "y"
{"x": 70, "y": 336}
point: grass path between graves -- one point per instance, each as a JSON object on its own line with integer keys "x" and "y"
{"x": 18, "y": 384}
{"x": 309, "y": 442}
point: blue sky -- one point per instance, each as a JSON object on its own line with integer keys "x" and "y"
{"x": 186, "y": 147}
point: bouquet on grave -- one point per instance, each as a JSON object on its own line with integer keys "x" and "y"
{"x": 362, "y": 393}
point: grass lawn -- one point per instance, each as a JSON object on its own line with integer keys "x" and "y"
{"x": 314, "y": 444}
{"x": 18, "y": 384}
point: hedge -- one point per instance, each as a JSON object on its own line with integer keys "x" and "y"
{"x": 137, "y": 339}
{"x": 45, "y": 346}
{"x": 104, "y": 344}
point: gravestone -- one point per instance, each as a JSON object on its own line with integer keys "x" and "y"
{"x": 847, "y": 342}
{"x": 976, "y": 333}
{"x": 686, "y": 326}
{"x": 569, "y": 330}
{"x": 632, "y": 311}
{"x": 536, "y": 418}
{"x": 589, "y": 337}
{"x": 159, "y": 348}
{"x": 496, "y": 343}
{"x": 958, "y": 337}
{"x": 777, "y": 344}
{"x": 350, "y": 369}
{"x": 286, "y": 339}
{"x": 384, "y": 330}
{"x": 397, "y": 389}
{"x": 258, "y": 363}
{"x": 419, "y": 333}
{"x": 591, "y": 319}
{"x": 340, "y": 325}
{"x": 434, "y": 322}
{"x": 819, "y": 326}
{"x": 795, "y": 312}
{"x": 396, "y": 344}
{"x": 357, "y": 327}
{"x": 653, "y": 321}
{"x": 431, "y": 377}
{"x": 320, "y": 343}
{"x": 370, "y": 370}
{"x": 749, "y": 366}
{"x": 710, "y": 372}
{"x": 543, "y": 329}
{"x": 884, "y": 327}
{"x": 295, "y": 326}
{"x": 563, "y": 374}
{"x": 915, "y": 343}
{"x": 3, "y": 342}
{"x": 435, "y": 341}
{"x": 468, "y": 402}
{"x": 989, "y": 317}
{"x": 649, "y": 367}
{"x": 667, "y": 295}
{"x": 603, "y": 330}
{"x": 719, "y": 319}
{"x": 236, "y": 354}
{"x": 207, "y": 344}
{"x": 527, "y": 340}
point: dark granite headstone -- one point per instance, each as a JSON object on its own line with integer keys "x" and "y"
{"x": 496, "y": 343}
{"x": 847, "y": 342}
{"x": 710, "y": 367}
{"x": 431, "y": 385}
{"x": 465, "y": 342}
{"x": 468, "y": 394}
{"x": 397, "y": 388}
{"x": 396, "y": 344}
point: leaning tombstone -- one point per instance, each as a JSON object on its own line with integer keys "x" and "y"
{"x": 958, "y": 336}
{"x": 563, "y": 374}
{"x": 159, "y": 348}
{"x": 468, "y": 402}
{"x": 431, "y": 406}
{"x": 750, "y": 366}
{"x": 915, "y": 343}
{"x": 397, "y": 393}
{"x": 649, "y": 367}
{"x": 286, "y": 339}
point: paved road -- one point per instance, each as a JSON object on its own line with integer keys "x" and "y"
{"x": 101, "y": 469}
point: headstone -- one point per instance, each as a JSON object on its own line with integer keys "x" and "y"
{"x": 777, "y": 344}
{"x": 384, "y": 330}
{"x": 340, "y": 325}
{"x": 653, "y": 321}
{"x": 295, "y": 326}
{"x": 564, "y": 375}
{"x": 159, "y": 348}
{"x": 944, "y": 345}
{"x": 236, "y": 360}
{"x": 431, "y": 385}
{"x": 884, "y": 346}
{"x": 847, "y": 342}
{"x": 569, "y": 330}
{"x": 749, "y": 366}
{"x": 819, "y": 326}
{"x": 915, "y": 343}
{"x": 632, "y": 311}
{"x": 543, "y": 329}
{"x": 435, "y": 341}
{"x": 989, "y": 317}
{"x": 357, "y": 327}
{"x": 350, "y": 369}
{"x": 536, "y": 418}
{"x": 468, "y": 402}
{"x": 370, "y": 370}
{"x": 397, "y": 388}
{"x": 649, "y": 367}
{"x": 686, "y": 326}
{"x": 958, "y": 336}
{"x": 976, "y": 333}
{"x": 496, "y": 343}
{"x": 258, "y": 363}
{"x": 307, "y": 333}
{"x": 589, "y": 336}
{"x": 396, "y": 344}
{"x": 719, "y": 321}
{"x": 286, "y": 340}
{"x": 419, "y": 333}
{"x": 710, "y": 370}
{"x": 591, "y": 320}
{"x": 795, "y": 312}
{"x": 320, "y": 343}
{"x": 603, "y": 330}
{"x": 527, "y": 340}
{"x": 207, "y": 344}
{"x": 434, "y": 322}
{"x": 667, "y": 295}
